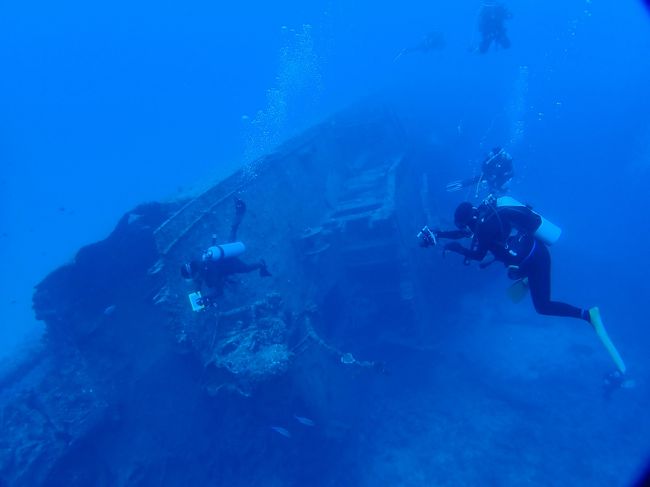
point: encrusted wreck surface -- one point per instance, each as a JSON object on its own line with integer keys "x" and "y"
{"x": 127, "y": 362}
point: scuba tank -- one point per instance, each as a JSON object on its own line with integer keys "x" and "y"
{"x": 224, "y": 251}
{"x": 547, "y": 232}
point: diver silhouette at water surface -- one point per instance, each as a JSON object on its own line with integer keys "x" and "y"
{"x": 491, "y": 26}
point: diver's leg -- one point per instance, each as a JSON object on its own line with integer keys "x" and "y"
{"x": 484, "y": 46}
{"x": 238, "y": 266}
{"x": 240, "y": 211}
{"x": 539, "y": 280}
{"x": 503, "y": 40}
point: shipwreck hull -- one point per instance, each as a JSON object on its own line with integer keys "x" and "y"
{"x": 127, "y": 362}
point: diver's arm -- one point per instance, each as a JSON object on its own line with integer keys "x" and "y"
{"x": 199, "y": 278}
{"x": 429, "y": 238}
{"x": 198, "y": 283}
{"x": 477, "y": 253}
{"x": 453, "y": 234}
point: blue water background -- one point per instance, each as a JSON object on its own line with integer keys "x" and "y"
{"x": 105, "y": 106}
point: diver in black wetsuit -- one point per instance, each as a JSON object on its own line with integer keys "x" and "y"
{"x": 215, "y": 267}
{"x": 491, "y": 25}
{"x": 516, "y": 236}
{"x": 508, "y": 233}
{"x": 496, "y": 172}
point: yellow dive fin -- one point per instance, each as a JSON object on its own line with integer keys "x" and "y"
{"x": 597, "y": 322}
{"x": 518, "y": 290}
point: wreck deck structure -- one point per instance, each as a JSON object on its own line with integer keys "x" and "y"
{"x": 333, "y": 212}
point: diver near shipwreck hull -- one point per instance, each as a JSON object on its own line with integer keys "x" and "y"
{"x": 219, "y": 262}
{"x": 497, "y": 171}
{"x": 518, "y": 237}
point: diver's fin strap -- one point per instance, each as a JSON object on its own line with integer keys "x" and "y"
{"x": 597, "y": 322}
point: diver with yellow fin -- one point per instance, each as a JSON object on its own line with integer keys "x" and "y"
{"x": 519, "y": 238}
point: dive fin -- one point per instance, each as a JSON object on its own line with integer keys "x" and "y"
{"x": 518, "y": 290}
{"x": 597, "y": 323}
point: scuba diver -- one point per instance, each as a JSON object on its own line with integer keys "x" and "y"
{"x": 496, "y": 172}
{"x": 491, "y": 25}
{"x": 519, "y": 238}
{"x": 509, "y": 234}
{"x": 219, "y": 262}
{"x": 432, "y": 42}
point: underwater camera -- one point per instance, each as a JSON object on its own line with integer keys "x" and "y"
{"x": 426, "y": 237}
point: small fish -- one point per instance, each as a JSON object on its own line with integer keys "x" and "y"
{"x": 110, "y": 310}
{"x": 347, "y": 358}
{"x": 303, "y": 420}
{"x": 282, "y": 431}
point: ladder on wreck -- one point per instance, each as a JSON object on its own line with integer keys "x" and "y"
{"x": 172, "y": 231}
